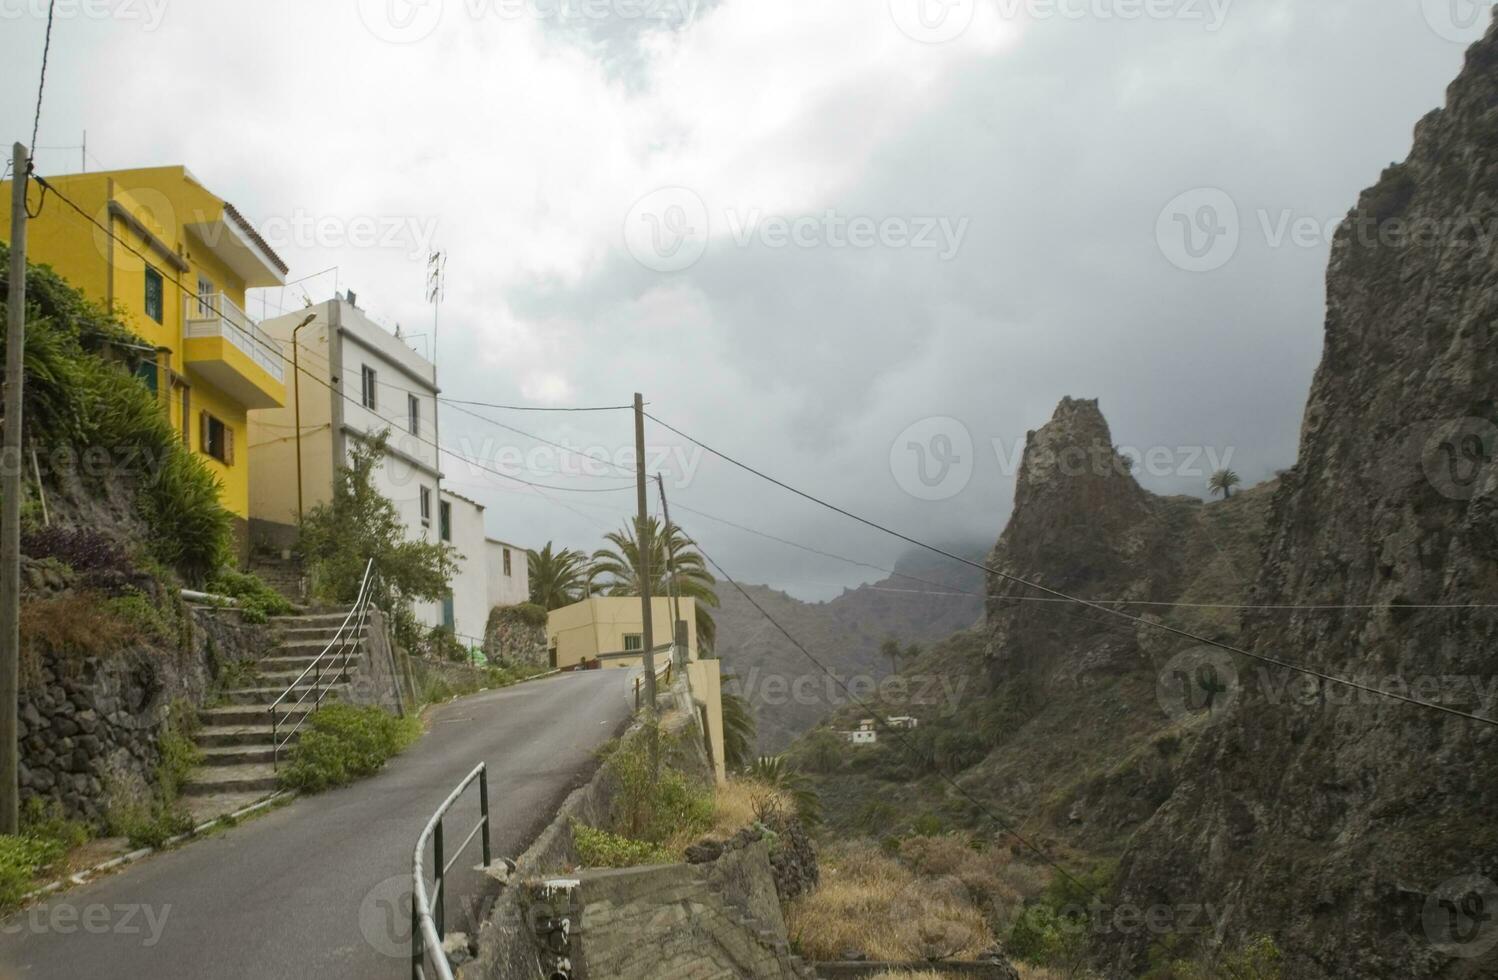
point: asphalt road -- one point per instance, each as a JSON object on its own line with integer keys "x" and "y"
{"x": 321, "y": 888}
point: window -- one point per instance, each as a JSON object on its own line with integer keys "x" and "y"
{"x": 634, "y": 642}
{"x": 507, "y": 563}
{"x": 205, "y": 296}
{"x": 426, "y": 507}
{"x": 154, "y": 294}
{"x": 448, "y": 619}
{"x": 216, "y": 439}
{"x": 445, "y": 521}
{"x": 413, "y": 408}
{"x": 367, "y": 381}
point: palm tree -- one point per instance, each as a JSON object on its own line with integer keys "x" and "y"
{"x": 557, "y": 578}
{"x": 738, "y": 727}
{"x": 621, "y": 564}
{"x": 1223, "y": 482}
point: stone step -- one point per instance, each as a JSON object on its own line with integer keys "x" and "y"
{"x": 283, "y": 679}
{"x": 216, "y": 756}
{"x": 326, "y": 618}
{"x": 267, "y": 695}
{"x": 224, "y": 736}
{"x": 293, "y": 648}
{"x": 236, "y": 715}
{"x": 293, "y": 664}
{"x": 232, "y": 779}
{"x": 319, "y": 632}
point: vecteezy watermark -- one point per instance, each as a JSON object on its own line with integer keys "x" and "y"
{"x": 1099, "y": 918}
{"x": 410, "y": 233}
{"x": 669, "y": 229}
{"x": 774, "y": 689}
{"x": 483, "y": 457}
{"x": 65, "y": 918}
{"x": 1460, "y": 916}
{"x": 938, "y": 21}
{"x": 148, "y": 12}
{"x": 1457, "y": 454}
{"x": 933, "y": 458}
{"x": 1460, "y": 21}
{"x": 1201, "y": 682}
{"x": 1202, "y": 229}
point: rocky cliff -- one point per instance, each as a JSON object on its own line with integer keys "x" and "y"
{"x": 1360, "y": 831}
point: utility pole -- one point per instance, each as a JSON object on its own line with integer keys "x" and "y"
{"x": 10, "y": 498}
{"x": 296, "y": 384}
{"x": 642, "y": 545}
{"x": 681, "y": 656}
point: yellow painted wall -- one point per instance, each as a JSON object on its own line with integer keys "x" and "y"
{"x": 165, "y": 200}
{"x": 597, "y": 626}
{"x": 706, "y": 680}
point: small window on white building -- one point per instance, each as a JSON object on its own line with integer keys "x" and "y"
{"x": 634, "y": 642}
{"x": 413, "y": 409}
{"x": 426, "y": 507}
{"x": 367, "y": 381}
{"x": 445, "y": 521}
{"x": 507, "y": 563}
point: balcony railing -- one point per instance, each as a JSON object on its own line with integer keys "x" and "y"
{"x": 216, "y": 315}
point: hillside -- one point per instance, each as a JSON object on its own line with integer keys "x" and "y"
{"x": 788, "y": 694}
{"x": 1049, "y": 713}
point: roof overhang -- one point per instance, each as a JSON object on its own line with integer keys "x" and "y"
{"x": 235, "y": 243}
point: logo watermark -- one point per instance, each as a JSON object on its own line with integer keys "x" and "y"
{"x": 1460, "y": 917}
{"x": 1458, "y": 21}
{"x": 667, "y": 230}
{"x": 933, "y": 458}
{"x": 1457, "y": 454}
{"x": 1199, "y": 683}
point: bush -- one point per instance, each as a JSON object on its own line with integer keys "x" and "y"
{"x": 345, "y": 743}
{"x": 654, "y": 809}
{"x": 524, "y": 613}
{"x": 82, "y": 549}
{"x": 257, "y": 601}
{"x": 601, "y": 849}
{"x": 22, "y": 859}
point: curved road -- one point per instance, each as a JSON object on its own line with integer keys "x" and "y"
{"x": 320, "y": 888}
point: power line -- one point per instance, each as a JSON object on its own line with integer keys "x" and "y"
{"x": 897, "y": 732}
{"x": 1056, "y": 593}
{"x": 41, "y": 85}
{"x": 540, "y": 408}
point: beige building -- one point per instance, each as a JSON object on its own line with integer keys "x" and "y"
{"x": 608, "y": 629}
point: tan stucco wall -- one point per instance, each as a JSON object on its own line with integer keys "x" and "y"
{"x": 706, "y": 680}
{"x": 595, "y": 626}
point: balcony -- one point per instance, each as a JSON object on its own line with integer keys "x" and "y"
{"x": 231, "y": 351}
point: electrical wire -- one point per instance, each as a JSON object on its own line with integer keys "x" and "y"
{"x": 41, "y": 86}
{"x": 1058, "y": 594}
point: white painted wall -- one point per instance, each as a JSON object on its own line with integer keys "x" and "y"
{"x": 507, "y": 589}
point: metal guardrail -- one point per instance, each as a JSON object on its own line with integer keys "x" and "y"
{"x": 663, "y": 674}
{"x": 216, "y": 315}
{"x": 429, "y": 927}
{"x": 332, "y": 660}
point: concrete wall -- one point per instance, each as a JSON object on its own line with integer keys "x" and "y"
{"x": 597, "y": 626}
{"x": 470, "y": 582}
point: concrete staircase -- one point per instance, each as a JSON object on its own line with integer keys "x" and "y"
{"x": 283, "y": 575}
{"x": 235, "y": 737}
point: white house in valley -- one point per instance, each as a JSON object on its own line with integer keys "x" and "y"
{"x": 356, "y": 380}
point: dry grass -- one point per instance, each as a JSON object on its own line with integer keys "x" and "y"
{"x": 1026, "y": 972}
{"x": 872, "y": 903}
{"x": 736, "y": 805}
{"x": 75, "y": 623}
{"x": 999, "y": 884}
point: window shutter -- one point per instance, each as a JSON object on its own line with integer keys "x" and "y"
{"x": 228, "y": 445}
{"x": 205, "y": 440}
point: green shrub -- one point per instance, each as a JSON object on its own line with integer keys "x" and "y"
{"x": 257, "y": 601}
{"x": 601, "y": 849}
{"x": 524, "y": 613}
{"x": 22, "y": 859}
{"x": 344, "y": 743}
{"x": 190, "y": 527}
{"x": 145, "y": 620}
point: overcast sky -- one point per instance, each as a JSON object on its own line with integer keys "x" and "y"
{"x": 862, "y": 244}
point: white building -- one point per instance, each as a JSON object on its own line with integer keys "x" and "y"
{"x": 356, "y": 380}
{"x": 509, "y": 574}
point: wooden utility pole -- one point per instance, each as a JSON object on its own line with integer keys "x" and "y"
{"x": 10, "y": 498}
{"x": 642, "y": 545}
{"x": 678, "y": 650}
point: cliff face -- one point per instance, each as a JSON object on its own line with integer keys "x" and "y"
{"x": 1346, "y": 825}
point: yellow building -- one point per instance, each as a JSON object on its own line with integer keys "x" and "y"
{"x": 607, "y": 629}
{"x": 175, "y": 261}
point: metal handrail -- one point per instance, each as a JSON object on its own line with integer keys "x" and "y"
{"x": 345, "y": 640}
{"x": 429, "y": 928}
{"x": 663, "y": 673}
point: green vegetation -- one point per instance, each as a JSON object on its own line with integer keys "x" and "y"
{"x": 92, "y": 419}
{"x": 601, "y": 849}
{"x": 150, "y": 818}
{"x": 1223, "y": 482}
{"x": 653, "y": 809}
{"x": 22, "y": 860}
{"x": 557, "y": 578}
{"x": 344, "y": 743}
{"x": 1258, "y": 959}
{"x": 339, "y": 537}
{"x": 257, "y": 601}
{"x": 621, "y": 565}
{"x": 1053, "y": 929}
{"x": 738, "y": 727}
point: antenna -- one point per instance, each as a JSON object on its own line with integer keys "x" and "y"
{"x": 436, "y": 290}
